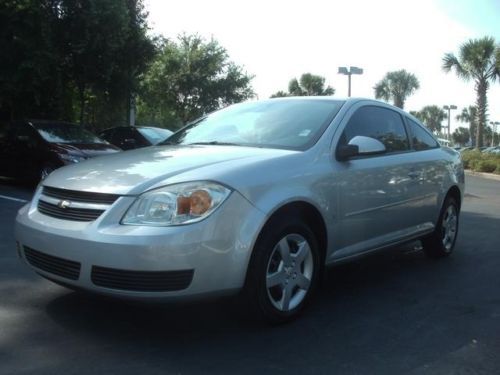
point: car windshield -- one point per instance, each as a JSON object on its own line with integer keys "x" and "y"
{"x": 155, "y": 135}
{"x": 277, "y": 123}
{"x": 60, "y": 132}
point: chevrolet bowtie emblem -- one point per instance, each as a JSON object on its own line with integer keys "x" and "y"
{"x": 64, "y": 204}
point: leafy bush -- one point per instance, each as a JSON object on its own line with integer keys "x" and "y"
{"x": 481, "y": 161}
{"x": 470, "y": 158}
{"x": 488, "y": 166}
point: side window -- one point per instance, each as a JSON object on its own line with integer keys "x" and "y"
{"x": 107, "y": 134}
{"x": 379, "y": 123}
{"x": 121, "y": 134}
{"x": 421, "y": 138}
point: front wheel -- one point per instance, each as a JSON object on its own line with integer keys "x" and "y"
{"x": 284, "y": 269}
{"x": 442, "y": 241}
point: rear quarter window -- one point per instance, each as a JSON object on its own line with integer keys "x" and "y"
{"x": 421, "y": 138}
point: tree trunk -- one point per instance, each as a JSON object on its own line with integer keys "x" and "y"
{"x": 399, "y": 101}
{"x": 481, "y": 102}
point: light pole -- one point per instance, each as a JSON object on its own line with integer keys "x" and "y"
{"x": 494, "y": 126}
{"x": 349, "y": 72}
{"x": 449, "y": 108}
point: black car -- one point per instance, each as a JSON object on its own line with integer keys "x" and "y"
{"x": 30, "y": 150}
{"x": 129, "y": 137}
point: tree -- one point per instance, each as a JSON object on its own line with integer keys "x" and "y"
{"x": 137, "y": 52}
{"x": 432, "y": 116}
{"x": 94, "y": 34}
{"x": 307, "y": 85}
{"x": 461, "y": 136}
{"x": 188, "y": 78}
{"x": 63, "y": 57}
{"x": 397, "y": 86}
{"x": 31, "y": 76}
{"x": 478, "y": 61}
{"x": 279, "y": 94}
{"x": 469, "y": 116}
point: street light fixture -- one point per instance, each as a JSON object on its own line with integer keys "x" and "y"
{"x": 449, "y": 108}
{"x": 349, "y": 72}
{"x": 494, "y": 126}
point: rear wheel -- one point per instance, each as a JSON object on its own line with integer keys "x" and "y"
{"x": 441, "y": 243}
{"x": 284, "y": 269}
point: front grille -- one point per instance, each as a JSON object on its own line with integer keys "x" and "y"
{"x": 68, "y": 213}
{"x": 79, "y": 196}
{"x": 55, "y": 265}
{"x": 141, "y": 281}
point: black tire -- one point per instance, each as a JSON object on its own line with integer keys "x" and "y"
{"x": 298, "y": 273}
{"x": 442, "y": 241}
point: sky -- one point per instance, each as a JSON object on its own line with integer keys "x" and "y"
{"x": 277, "y": 40}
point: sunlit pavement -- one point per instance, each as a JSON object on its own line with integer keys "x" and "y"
{"x": 392, "y": 313}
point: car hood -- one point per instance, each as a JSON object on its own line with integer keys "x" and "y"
{"x": 133, "y": 172}
{"x": 87, "y": 150}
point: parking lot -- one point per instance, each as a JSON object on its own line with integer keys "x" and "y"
{"x": 392, "y": 313}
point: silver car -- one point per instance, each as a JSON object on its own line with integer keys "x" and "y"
{"x": 256, "y": 198}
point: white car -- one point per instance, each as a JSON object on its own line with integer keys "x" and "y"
{"x": 259, "y": 197}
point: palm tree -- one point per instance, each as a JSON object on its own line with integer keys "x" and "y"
{"x": 477, "y": 60}
{"x": 397, "y": 86}
{"x": 432, "y": 116}
{"x": 469, "y": 116}
{"x": 308, "y": 84}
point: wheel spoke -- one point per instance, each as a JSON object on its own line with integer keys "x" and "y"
{"x": 276, "y": 278}
{"x": 303, "y": 282}
{"x": 285, "y": 299}
{"x": 284, "y": 250}
{"x": 302, "y": 252}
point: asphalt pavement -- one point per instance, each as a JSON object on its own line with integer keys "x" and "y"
{"x": 396, "y": 312}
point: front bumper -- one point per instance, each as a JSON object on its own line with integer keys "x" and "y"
{"x": 215, "y": 251}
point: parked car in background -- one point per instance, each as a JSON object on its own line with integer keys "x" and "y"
{"x": 258, "y": 197}
{"x": 31, "y": 150}
{"x": 129, "y": 137}
{"x": 492, "y": 150}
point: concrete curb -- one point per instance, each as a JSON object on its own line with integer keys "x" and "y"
{"x": 490, "y": 176}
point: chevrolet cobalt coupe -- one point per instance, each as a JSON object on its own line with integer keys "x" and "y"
{"x": 256, "y": 198}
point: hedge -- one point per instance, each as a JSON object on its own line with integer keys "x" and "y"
{"x": 481, "y": 161}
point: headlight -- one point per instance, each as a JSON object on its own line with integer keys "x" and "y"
{"x": 176, "y": 204}
{"x": 69, "y": 158}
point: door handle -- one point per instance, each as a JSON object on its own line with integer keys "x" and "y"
{"x": 416, "y": 176}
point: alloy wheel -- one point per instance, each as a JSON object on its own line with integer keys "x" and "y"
{"x": 289, "y": 272}
{"x": 449, "y": 225}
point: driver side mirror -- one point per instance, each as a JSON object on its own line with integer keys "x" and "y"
{"x": 360, "y": 146}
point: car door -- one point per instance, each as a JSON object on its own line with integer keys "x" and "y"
{"x": 374, "y": 191}
{"x": 428, "y": 163}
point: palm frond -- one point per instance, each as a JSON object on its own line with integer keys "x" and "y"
{"x": 451, "y": 62}
{"x": 382, "y": 90}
